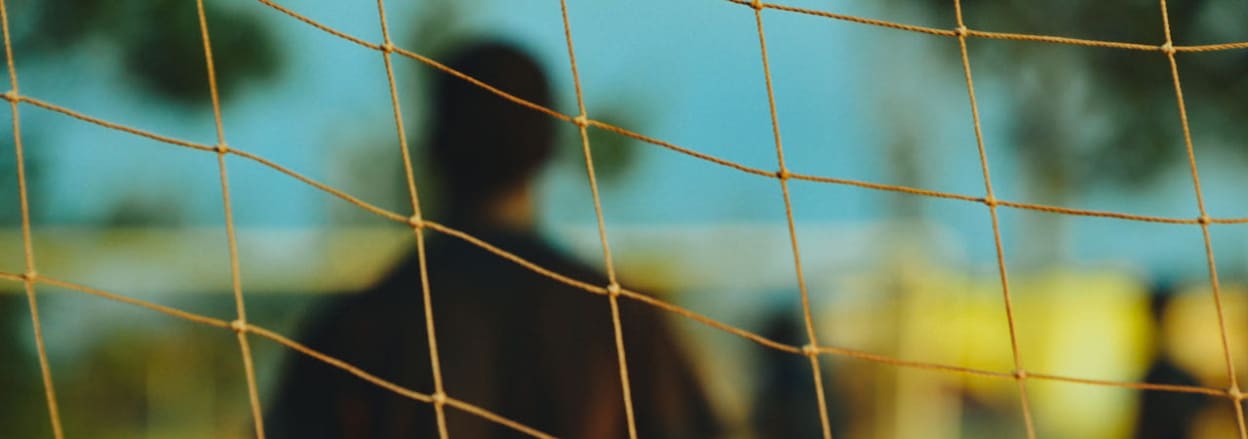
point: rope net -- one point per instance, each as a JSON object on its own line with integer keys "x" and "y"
{"x": 614, "y": 291}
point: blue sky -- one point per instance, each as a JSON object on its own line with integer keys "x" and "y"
{"x": 844, "y": 92}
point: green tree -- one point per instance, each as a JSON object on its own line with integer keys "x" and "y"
{"x": 1087, "y": 116}
{"x": 161, "y": 49}
{"x": 159, "y": 42}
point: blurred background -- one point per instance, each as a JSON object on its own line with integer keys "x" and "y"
{"x": 898, "y": 275}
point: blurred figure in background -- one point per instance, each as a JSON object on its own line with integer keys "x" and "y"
{"x": 510, "y": 340}
{"x": 785, "y": 401}
{"x": 1166, "y": 415}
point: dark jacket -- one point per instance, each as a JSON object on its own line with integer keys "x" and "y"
{"x": 510, "y": 340}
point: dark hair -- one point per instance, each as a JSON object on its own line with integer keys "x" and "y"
{"x": 483, "y": 144}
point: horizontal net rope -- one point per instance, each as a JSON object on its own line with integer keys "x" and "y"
{"x": 238, "y": 326}
{"x": 683, "y": 150}
{"x": 761, "y": 340}
{"x": 812, "y": 350}
{"x": 993, "y": 35}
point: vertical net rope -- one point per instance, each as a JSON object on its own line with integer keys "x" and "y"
{"x": 1232, "y": 391}
{"x": 990, "y": 200}
{"x": 31, "y": 276}
{"x": 240, "y": 324}
{"x": 783, "y": 175}
{"x": 614, "y": 291}
{"x": 613, "y": 288}
{"x": 435, "y": 363}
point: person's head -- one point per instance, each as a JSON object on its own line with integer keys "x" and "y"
{"x": 1160, "y": 294}
{"x": 484, "y": 147}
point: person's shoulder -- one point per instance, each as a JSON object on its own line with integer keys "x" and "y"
{"x": 509, "y": 253}
{"x": 335, "y": 312}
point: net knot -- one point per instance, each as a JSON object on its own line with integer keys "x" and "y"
{"x": 1020, "y": 374}
{"x": 29, "y": 276}
{"x": 1204, "y": 220}
{"x": 810, "y": 350}
{"x": 991, "y": 201}
{"x": 1168, "y": 48}
{"x": 238, "y": 326}
{"x": 961, "y": 31}
{"x": 784, "y": 174}
{"x": 756, "y": 4}
{"x": 1234, "y": 393}
{"x": 416, "y": 222}
{"x": 581, "y": 121}
{"x": 438, "y": 398}
{"x": 387, "y": 47}
{"x": 222, "y": 148}
{"x": 614, "y": 289}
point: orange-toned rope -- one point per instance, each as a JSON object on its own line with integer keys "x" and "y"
{"x": 613, "y": 287}
{"x": 690, "y": 152}
{"x": 613, "y": 290}
{"x": 28, "y": 246}
{"x": 811, "y": 349}
{"x": 1020, "y": 373}
{"x": 392, "y": 216}
{"x": 240, "y": 325}
{"x": 435, "y": 363}
{"x": 1212, "y": 47}
{"x": 988, "y": 34}
{"x": 848, "y": 353}
{"x": 293, "y": 345}
{"x": 680, "y": 149}
{"x": 1233, "y": 391}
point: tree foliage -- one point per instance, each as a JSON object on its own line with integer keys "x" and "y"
{"x": 159, "y": 41}
{"x": 159, "y": 47}
{"x": 1131, "y": 92}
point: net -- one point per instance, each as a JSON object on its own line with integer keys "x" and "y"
{"x": 614, "y": 291}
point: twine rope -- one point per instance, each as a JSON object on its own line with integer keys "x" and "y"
{"x": 614, "y": 290}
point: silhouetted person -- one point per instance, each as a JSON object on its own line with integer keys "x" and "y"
{"x": 510, "y": 340}
{"x": 1166, "y": 415}
{"x": 785, "y": 401}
